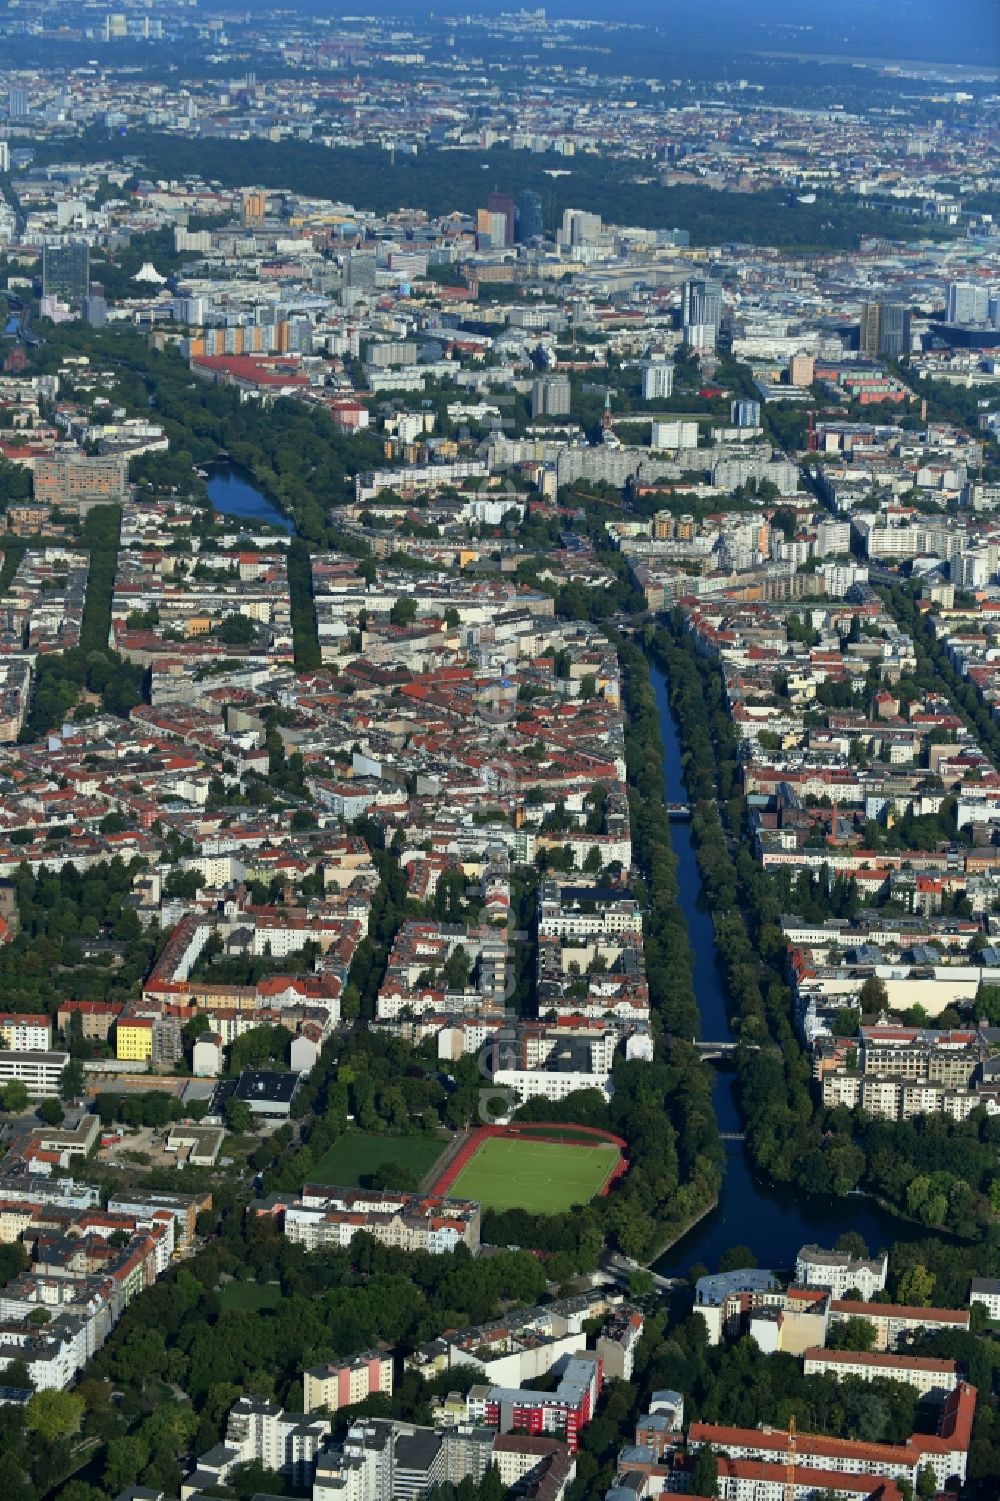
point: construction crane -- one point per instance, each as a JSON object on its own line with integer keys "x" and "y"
{"x": 790, "y": 1460}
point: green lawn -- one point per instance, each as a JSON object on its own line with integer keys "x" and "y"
{"x": 353, "y": 1156}
{"x": 250, "y": 1297}
{"x": 540, "y": 1176}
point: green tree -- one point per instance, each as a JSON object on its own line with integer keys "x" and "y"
{"x": 237, "y": 630}
{"x": 79, "y": 1490}
{"x": 705, "y": 1472}
{"x": 873, "y": 995}
{"x": 455, "y": 970}
{"x": 350, "y": 1005}
{"x": 54, "y": 1414}
{"x": 846, "y": 1022}
{"x": 125, "y": 1458}
{"x": 51, "y": 1112}
{"x": 404, "y": 611}
{"x": 397, "y": 1175}
{"x": 71, "y": 1082}
{"x": 916, "y": 1286}
{"x": 15, "y": 1096}
{"x": 736, "y": 1258}
{"x": 852, "y": 1334}
{"x": 14, "y": 1260}
{"x": 238, "y": 1116}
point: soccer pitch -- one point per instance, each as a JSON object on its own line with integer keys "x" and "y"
{"x": 543, "y": 1177}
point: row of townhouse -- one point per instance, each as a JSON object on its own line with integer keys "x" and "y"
{"x": 330, "y": 1216}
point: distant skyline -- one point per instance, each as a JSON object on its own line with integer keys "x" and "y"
{"x": 966, "y": 31}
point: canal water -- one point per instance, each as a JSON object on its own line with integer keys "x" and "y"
{"x": 773, "y": 1220}
{"x": 232, "y": 491}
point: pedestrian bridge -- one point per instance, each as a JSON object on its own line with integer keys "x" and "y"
{"x": 715, "y": 1049}
{"x": 621, "y": 1268}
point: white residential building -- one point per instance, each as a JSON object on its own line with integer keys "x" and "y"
{"x": 919, "y": 1371}
{"x": 839, "y": 1273}
{"x": 39, "y": 1072}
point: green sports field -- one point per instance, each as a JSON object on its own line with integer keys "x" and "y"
{"x": 250, "y": 1297}
{"x": 357, "y": 1153}
{"x": 543, "y": 1177}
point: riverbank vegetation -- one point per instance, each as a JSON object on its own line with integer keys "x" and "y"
{"x": 295, "y": 453}
{"x": 933, "y": 1170}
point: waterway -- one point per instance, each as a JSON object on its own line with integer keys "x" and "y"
{"x": 231, "y": 490}
{"x": 773, "y": 1220}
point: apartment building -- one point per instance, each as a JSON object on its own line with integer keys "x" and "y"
{"x": 259, "y": 1432}
{"x": 25, "y": 1033}
{"x": 96, "y": 1018}
{"x": 385, "y": 1460}
{"x": 948, "y": 1058}
{"x": 183, "y": 1208}
{"x": 986, "y": 1291}
{"x": 342, "y": 1383}
{"x": 838, "y": 1273}
{"x": 923, "y": 1372}
{"x": 326, "y": 1215}
{"x": 134, "y": 1039}
{"x": 526, "y": 1344}
{"x": 945, "y": 1452}
{"x": 73, "y": 481}
{"x": 563, "y": 1412}
{"x": 893, "y": 1321}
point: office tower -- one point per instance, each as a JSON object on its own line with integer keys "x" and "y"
{"x": 491, "y": 229}
{"x": 114, "y": 27}
{"x": 66, "y": 271}
{"x": 868, "y": 329}
{"x": 529, "y": 217}
{"x": 657, "y": 380}
{"x": 71, "y": 211}
{"x": 95, "y": 307}
{"x": 550, "y": 396}
{"x": 801, "y": 370}
{"x": 199, "y": 240}
{"x": 502, "y": 203}
{"x": 17, "y": 104}
{"x": 744, "y": 413}
{"x": 360, "y": 272}
{"x": 701, "y": 312}
{"x": 894, "y": 330}
{"x": 4, "y": 157}
{"x": 674, "y": 434}
{"x": 191, "y": 310}
{"x": 579, "y": 227}
{"x": 253, "y": 206}
{"x": 884, "y": 330}
{"x": 300, "y": 335}
{"x": 967, "y": 303}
